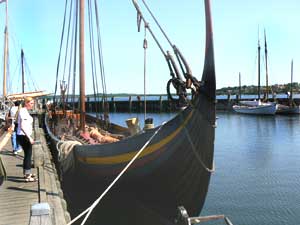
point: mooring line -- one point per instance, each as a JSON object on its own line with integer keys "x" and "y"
{"x": 90, "y": 209}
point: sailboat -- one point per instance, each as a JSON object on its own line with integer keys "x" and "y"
{"x": 176, "y": 158}
{"x": 8, "y": 98}
{"x": 291, "y": 108}
{"x": 5, "y": 106}
{"x": 257, "y": 107}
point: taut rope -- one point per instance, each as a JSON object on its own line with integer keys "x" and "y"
{"x": 90, "y": 209}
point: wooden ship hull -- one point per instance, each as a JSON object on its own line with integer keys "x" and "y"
{"x": 174, "y": 168}
{"x": 176, "y": 159}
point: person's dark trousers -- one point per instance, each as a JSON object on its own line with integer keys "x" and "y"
{"x": 27, "y": 148}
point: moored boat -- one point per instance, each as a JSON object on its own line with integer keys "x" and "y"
{"x": 291, "y": 107}
{"x": 166, "y": 166}
{"x": 258, "y": 107}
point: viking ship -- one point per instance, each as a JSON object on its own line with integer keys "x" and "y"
{"x": 258, "y": 107}
{"x": 172, "y": 163}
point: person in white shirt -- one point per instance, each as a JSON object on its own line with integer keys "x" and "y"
{"x": 13, "y": 116}
{"x": 24, "y": 133}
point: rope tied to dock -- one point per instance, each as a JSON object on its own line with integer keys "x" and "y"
{"x": 90, "y": 209}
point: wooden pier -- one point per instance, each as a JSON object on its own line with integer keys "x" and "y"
{"x": 33, "y": 203}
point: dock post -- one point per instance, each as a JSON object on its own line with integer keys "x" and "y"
{"x": 113, "y": 104}
{"x": 160, "y": 104}
{"x": 229, "y": 105}
{"x": 139, "y": 103}
{"x": 89, "y": 104}
{"x": 102, "y": 105}
{"x": 130, "y": 103}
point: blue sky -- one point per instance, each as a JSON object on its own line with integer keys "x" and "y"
{"x": 36, "y": 25}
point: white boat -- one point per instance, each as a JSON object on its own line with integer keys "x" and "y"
{"x": 257, "y": 107}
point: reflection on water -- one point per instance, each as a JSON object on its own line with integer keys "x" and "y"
{"x": 257, "y": 174}
{"x": 257, "y": 178}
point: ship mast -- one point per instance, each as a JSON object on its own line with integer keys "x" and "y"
{"x": 22, "y": 61}
{"x": 291, "y": 87}
{"x": 267, "y": 75}
{"x": 82, "y": 66}
{"x": 5, "y": 51}
{"x": 240, "y": 88}
{"x": 258, "y": 87}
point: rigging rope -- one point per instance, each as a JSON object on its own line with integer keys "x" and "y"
{"x": 102, "y": 71}
{"x": 75, "y": 55}
{"x": 61, "y": 43}
{"x": 163, "y": 32}
{"x": 197, "y": 154}
{"x": 94, "y": 70}
{"x": 67, "y": 44}
{"x": 70, "y": 62}
{"x": 145, "y": 45}
{"x": 178, "y": 54}
{"x": 178, "y": 83}
{"x": 90, "y": 209}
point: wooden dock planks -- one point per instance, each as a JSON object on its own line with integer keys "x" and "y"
{"x": 17, "y": 196}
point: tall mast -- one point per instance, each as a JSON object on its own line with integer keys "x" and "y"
{"x": 258, "y": 87}
{"x": 81, "y": 66}
{"x": 266, "y": 60}
{"x": 291, "y": 87}
{"x": 22, "y": 61}
{"x": 5, "y": 51}
{"x": 240, "y": 89}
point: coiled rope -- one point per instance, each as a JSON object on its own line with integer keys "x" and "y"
{"x": 90, "y": 209}
{"x": 65, "y": 154}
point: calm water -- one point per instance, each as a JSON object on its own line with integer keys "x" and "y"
{"x": 257, "y": 178}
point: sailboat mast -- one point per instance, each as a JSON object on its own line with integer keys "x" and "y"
{"x": 267, "y": 75}
{"x": 81, "y": 66}
{"x": 5, "y": 51}
{"x": 258, "y": 86}
{"x": 240, "y": 89}
{"x": 22, "y": 61}
{"x": 291, "y": 87}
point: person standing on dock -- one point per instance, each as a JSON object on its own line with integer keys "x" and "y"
{"x": 14, "y": 110}
{"x": 24, "y": 133}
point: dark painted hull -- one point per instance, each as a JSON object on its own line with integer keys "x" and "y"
{"x": 171, "y": 171}
{"x": 175, "y": 167}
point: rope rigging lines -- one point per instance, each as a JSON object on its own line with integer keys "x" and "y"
{"x": 176, "y": 80}
{"x": 68, "y": 59}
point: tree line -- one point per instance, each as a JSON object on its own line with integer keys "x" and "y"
{"x": 252, "y": 89}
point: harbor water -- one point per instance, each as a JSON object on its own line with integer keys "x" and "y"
{"x": 257, "y": 176}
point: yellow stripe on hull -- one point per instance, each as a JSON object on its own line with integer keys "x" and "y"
{"x": 126, "y": 157}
